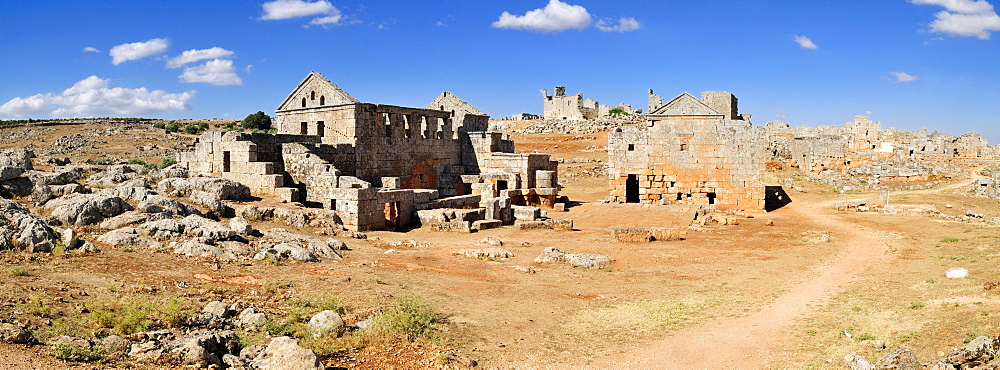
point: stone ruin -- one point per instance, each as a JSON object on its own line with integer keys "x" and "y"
{"x": 689, "y": 151}
{"x": 574, "y": 107}
{"x": 376, "y": 165}
{"x": 863, "y": 142}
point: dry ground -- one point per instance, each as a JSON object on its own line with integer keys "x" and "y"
{"x": 744, "y": 296}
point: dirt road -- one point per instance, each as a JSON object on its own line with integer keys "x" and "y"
{"x": 751, "y": 341}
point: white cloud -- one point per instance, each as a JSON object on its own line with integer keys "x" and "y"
{"x": 91, "y": 97}
{"x": 904, "y": 77}
{"x": 327, "y": 21}
{"x": 554, "y": 17}
{"x": 137, "y": 50}
{"x": 91, "y": 49}
{"x": 327, "y": 14}
{"x": 194, "y": 55}
{"x": 286, "y": 9}
{"x": 219, "y": 72}
{"x": 624, "y": 24}
{"x": 963, "y": 18}
{"x": 805, "y": 43}
{"x": 248, "y": 68}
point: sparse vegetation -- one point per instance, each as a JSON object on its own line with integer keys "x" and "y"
{"x": 408, "y": 319}
{"x": 71, "y": 353}
{"x": 18, "y": 271}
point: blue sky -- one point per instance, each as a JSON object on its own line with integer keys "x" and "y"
{"x": 907, "y": 63}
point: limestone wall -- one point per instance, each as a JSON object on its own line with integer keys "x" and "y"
{"x": 680, "y": 161}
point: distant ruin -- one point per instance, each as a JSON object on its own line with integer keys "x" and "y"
{"x": 375, "y": 165}
{"x": 689, "y": 151}
{"x": 574, "y": 107}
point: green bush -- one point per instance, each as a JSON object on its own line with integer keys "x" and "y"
{"x": 167, "y": 162}
{"x": 257, "y": 121}
{"x": 409, "y": 319}
{"x": 79, "y": 354}
{"x": 160, "y": 125}
{"x": 174, "y": 126}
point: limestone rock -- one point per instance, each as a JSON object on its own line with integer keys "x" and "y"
{"x": 856, "y": 362}
{"x": 241, "y": 226}
{"x": 115, "y": 346}
{"x": 217, "y": 308}
{"x": 15, "y": 334}
{"x": 901, "y": 358}
{"x": 10, "y": 173}
{"x": 251, "y": 319}
{"x": 326, "y": 322}
{"x": 218, "y": 188}
{"x": 294, "y": 250}
{"x": 486, "y": 253}
{"x": 86, "y": 209}
{"x": 130, "y": 218}
{"x": 128, "y": 237}
{"x": 21, "y": 230}
{"x": 170, "y": 206}
{"x": 978, "y": 352}
{"x": 18, "y": 157}
{"x": 199, "y": 226}
{"x": 552, "y": 254}
{"x": 285, "y": 353}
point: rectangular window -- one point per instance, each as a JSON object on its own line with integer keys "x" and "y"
{"x": 304, "y": 128}
{"x": 631, "y": 147}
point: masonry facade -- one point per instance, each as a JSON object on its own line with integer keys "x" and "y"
{"x": 575, "y": 108}
{"x": 376, "y": 164}
{"x": 689, "y": 151}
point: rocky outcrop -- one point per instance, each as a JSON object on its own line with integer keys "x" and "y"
{"x": 86, "y": 209}
{"x": 285, "y": 353}
{"x": 554, "y": 255}
{"x": 22, "y": 230}
{"x": 218, "y": 188}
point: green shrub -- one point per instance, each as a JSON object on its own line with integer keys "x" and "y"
{"x": 191, "y": 128}
{"x": 160, "y": 125}
{"x": 78, "y": 354}
{"x": 167, "y": 162}
{"x": 409, "y": 319}
{"x": 18, "y": 271}
{"x": 173, "y": 126}
{"x": 257, "y": 121}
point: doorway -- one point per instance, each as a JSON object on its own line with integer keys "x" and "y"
{"x": 632, "y": 189}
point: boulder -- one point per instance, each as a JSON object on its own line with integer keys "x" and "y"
{"x": 218, "y": 188}
{"x": 128, "y": 237}
{"x": 324, "y": 323}
{"x": 293, "y": 250}
{"x": 979, "y": 351}
{"x": 251, "y": 319}
{"x": 200, "y": 350}
{"x": 86, "y": 209}
{"x": 115, "y": 346}
{"x": 113, "y": 175}
{"x": 167, "y": 228}
{"x": 128, "y": 193}
{"x": 285, "y": 353}
{"x": 195, "y": 248}
{"x": 317, "y": 246}
{"x": 131, "y": 218}
{"x": 41, "y": 194}
{"x": 19, "y": 157}
{"x": 15, "y": 334}
{"x": 900, "y": 358}
{"x": 856, "y": 362}
{"x": 22, "y": 230}
{"x": 209, "y": 200}
{"x": 195, "y": 225}
{"x": 10, "y": 173}
{"x": 60, "y": 176}
{"x": 217, "y": 308}
{"x": 170, "y": 206}
{"x": 241, "y": 226}
{"x": 64, "y": 340}
{"x": 171, "y": 171}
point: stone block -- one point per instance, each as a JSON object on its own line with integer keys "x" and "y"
{"x": 668, "y": 233}
{"x": 560, "y": 223}
{"x": 559, "y": 207}
{"x": 453, "y": 226}
{"x": 526, "y": 213}
{"x": 632, "y": 234}
{"x": 287, "y": 194}
{"x": 533, "y": 225}
{"x": 486, "y": 224}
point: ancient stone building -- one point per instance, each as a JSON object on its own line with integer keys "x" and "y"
{"x": 574, "y": 107}
{"x": 690, "y": 151}
{"x": 376, "y": 164}
{"x": 863, "y": 142}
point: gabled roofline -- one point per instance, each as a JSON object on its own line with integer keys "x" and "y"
{"x": 678, "y": 97}
{"x": 313, "y": 74}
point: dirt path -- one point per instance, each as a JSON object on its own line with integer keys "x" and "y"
{"x": 752, "y": 341}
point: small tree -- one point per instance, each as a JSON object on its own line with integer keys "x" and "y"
{"x": 257, "y": 121}
{"x": 615, "y": 112}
